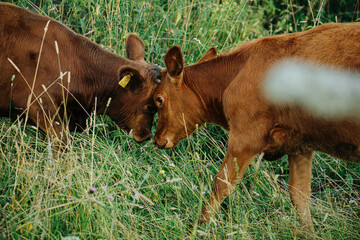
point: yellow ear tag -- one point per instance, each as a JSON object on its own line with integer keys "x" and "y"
{"x": 125, "y": 80}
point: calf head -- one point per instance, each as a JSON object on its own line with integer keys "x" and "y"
{"x": 180, "y": 108}
{"x": 133, "y": 109}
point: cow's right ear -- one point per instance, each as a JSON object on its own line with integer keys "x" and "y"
{"x": 174, "y": 63}
{"x": 135, "y": 48}
{"x": 210, "y": 54}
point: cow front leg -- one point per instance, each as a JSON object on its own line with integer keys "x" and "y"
{"x": 47, "y": 118}
{"x": 232, "y": 169}
{"x": 300, "y": 186}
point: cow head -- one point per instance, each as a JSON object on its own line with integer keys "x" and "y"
{"x": 133, "y": 108}
{"x": 179, "y": 107}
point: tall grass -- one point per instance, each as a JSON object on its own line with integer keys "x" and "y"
{"x": 106, "y": 186}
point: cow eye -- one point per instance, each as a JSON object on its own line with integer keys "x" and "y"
{"x": 160, "y": 100}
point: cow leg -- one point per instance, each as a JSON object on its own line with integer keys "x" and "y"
{"x": 232, "y": 169}
{"x": 48, "y": 120}
{"x": 300, "y": 186}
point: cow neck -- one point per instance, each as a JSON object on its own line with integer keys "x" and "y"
{"x": 100, "y": 74}
{"x": 208, "y": 80}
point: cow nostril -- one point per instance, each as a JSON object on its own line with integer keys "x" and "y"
{"x": 160, "y": 143}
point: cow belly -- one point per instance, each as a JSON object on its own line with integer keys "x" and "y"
{"x": 343, "y": 150}
{"x": 347, "y": 151}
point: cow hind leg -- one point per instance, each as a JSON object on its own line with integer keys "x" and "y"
{"x": 300, "y": 186}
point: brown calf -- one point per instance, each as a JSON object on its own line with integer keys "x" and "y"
{"x": 227, "y": 90}
{"x": 62, "y": 80}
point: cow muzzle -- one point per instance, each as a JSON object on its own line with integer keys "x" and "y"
{"x": 140, "y": 137}
{"x": 163, "y": 143}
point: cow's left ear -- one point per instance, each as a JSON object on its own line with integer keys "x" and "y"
{"x": 135, "y": 48}
{"x": 130, "y": 78}
{"x": 174, "y": 63}
{"x": 210, "y": 54}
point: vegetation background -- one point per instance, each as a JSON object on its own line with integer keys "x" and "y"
{"x": 106, "y": 186}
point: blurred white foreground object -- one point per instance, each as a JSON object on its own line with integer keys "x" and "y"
{"x": 324, "y": 91}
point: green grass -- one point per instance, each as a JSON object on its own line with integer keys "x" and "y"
{"x": 158, "y": 194}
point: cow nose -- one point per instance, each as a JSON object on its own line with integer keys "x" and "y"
{"x": 146, "y": 138}
{"x": 142, "y": 137}
{"x": 149, "y": 137}
{"x": 160, "y": 143}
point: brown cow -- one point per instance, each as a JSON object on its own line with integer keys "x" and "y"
{"x": 61, "y": 81}
{"x": 227, "y": 90}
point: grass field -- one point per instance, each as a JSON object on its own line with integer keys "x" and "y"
{"x": 106, "y": 186}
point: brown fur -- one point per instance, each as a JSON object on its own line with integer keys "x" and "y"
{"x": 95, "y": 74}
{"x": 227, "y": 90}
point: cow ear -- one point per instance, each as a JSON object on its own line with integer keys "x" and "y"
{"x": 174, "y": 62}
{"x": 210, "y": 54}
{"x": 135, "y": 48}
{"x": 130, "y": 79}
